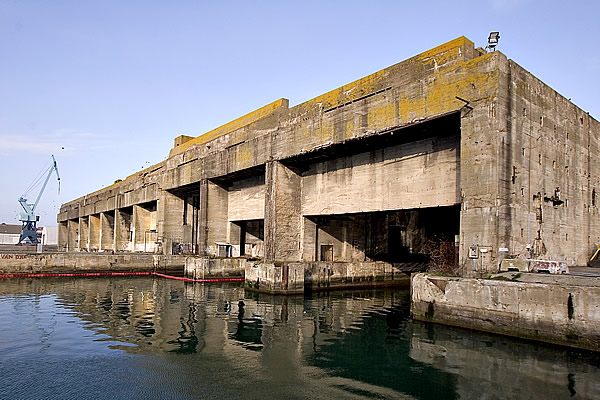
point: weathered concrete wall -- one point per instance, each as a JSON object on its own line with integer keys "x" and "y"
{"x": 216, "y": 223}
{"x": 549, "y": 172}
{"x": 555, "y": 309}
{"x": 280, "y": 278}
{"x": 282, "y": 213}
{"x": 340, "y": 275}
{"x": 95, "y": 233}
{"x": 88, "y": 262}
{"x": 398, "y": 177}
{"x": 537, "y": 196}
{"x": 207, "y": 267}
{"x": 123, "y": 229}
{"x": 84, "y": 233}
{"x": 64, "y": 235}
{"x": 247, "y": 199}
{"x": 107, "y": 231}
{"x": 298, "y": 277}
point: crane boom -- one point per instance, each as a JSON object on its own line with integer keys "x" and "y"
{"x": 28, "y": 218}
{"x": 53, "y": 167}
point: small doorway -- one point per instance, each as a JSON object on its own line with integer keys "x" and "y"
{"x": 326, "y": 252}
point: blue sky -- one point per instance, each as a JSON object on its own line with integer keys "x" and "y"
{"x": 113, "y": 82}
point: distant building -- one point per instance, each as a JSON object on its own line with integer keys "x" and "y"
{"x": 9, "y": 234}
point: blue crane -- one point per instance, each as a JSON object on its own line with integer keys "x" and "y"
{"x": 28, "y": 217}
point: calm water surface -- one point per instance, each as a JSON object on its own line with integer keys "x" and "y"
{"x": 145, "y": 338}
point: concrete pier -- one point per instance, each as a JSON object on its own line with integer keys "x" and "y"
{"x": 556, "y": 309}
{"x": 208, "y": 267}
{"x": 300, "y": 277}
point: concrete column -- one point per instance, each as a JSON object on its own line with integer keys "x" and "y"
{"x": 283, "y": 210}
{"x": 73, "y": 235}
{"x": 84, "y": 233}
{"x": 140, "y": 220}
{"x": 236, "y": 239}
{"x": 170, "y": 220}
{"x": 107, "y": 231}
{"x": 218, "y": 225}
{"x": 94, "y": 222}
{"x": 213, "y": 224}
{"x": 479, "y": 216}
{"x": 309, "y": 240}
{"x": 63, "y": 236}
{"x": 122, "y": 230}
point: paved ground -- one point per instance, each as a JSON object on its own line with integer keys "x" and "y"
{"x": 584, "y": 271}
{"x": 578, "y": 276}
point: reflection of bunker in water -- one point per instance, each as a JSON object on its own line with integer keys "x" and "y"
{"x": 485, "y": 363}
{"x": 365, "y": 339}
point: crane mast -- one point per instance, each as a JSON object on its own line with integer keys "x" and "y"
{"x": 28, "y": 217}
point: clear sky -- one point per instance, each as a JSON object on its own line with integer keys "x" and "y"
{"x": 113, "y": 82}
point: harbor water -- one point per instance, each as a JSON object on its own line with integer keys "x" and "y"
{"x": 152, "y": 338}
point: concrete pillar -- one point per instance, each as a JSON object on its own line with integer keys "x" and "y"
{"x": 213, "y": 224}
{"x": 73, "y": 235}
{"x": 309, "y": 240}
{"x": 107, "y": 231}
{"x": 84, "y": 233}
{"x": 479, "y": 216}
{"x": 235, "y": 238}
{"x": 283, "y": 222}
{"x": 94, "y": 239}
{"x": 170, "y": 220}
{"x": 63, "y": 236}
{"x": 140, "y": 216}
{"x": 122, "y": 229}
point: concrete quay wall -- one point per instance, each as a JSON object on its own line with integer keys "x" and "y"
{"x": 206, "y": 267}
{"x": 11, "y": 263}
{"x": 562, "y": 310}
{"x": 300, "y": 277}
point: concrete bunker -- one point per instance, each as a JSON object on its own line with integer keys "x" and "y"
{"x": 416, "y": 136}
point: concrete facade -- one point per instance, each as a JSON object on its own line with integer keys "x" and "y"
{"x": 454, "y": 150}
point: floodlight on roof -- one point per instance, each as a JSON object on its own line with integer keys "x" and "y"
{"x": 493, "y": 40}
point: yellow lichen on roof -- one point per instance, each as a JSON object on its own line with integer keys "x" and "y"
{"x": 231, "y": 126}
{"x": 376, "y": 81}
{"x": 445, "y": 48}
